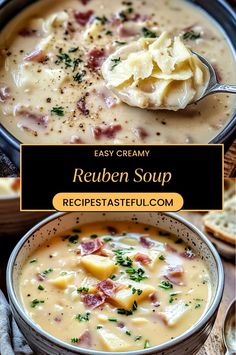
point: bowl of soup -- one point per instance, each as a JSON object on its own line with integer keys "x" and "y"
{"x": 12, "y": 221}
{"x": 53, "y": 89}
{"x": 99, "y": 283}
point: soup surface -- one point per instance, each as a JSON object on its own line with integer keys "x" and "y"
{"x": 115, "y": 286}
{"x": 52, "y": 89}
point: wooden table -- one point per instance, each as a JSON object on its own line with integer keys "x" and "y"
{"x": 214, "y": 344}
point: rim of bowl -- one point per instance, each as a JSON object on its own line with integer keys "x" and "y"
{"x": 220, "y": 138}
{"x": 162, "y": 347}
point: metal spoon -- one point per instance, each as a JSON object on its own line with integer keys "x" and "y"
{"x": 214, "y": 86}
{"x": 229, "y": 329}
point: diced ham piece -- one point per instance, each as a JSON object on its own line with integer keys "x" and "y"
{"x": 93, "y": 300}
{"x": 174, "y": 275}
{"x": 188, "y": 254}
{"x": 108, "y": 131}
{"x": 36, "y": 118}
{"x": 146, "y": 243}
{"x": 108, "y": 287}
{"x": 4, "y": 92}
{"x": 36, "y": 56}
{"x": 142, "y": 259}
{"x": 153, "y": 298}
{"x": 82, "y": 18}
{"x": 85, "y": 339}
{"x": 96, "y": 58}
{"x": 28, "y": 32}
{"x": 140, "y": 132}
{"x": 81, "y": 105}
{"x": 90, "y": 246}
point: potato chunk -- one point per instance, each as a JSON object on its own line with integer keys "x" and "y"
{"x": 62, "y": 281}
{"x": 99, "y": 266}
{"x": 174, "y": 313}
{"x": 112, "y": 342}
{"x": 125, "y": 298}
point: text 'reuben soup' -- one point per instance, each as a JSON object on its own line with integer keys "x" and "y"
{"x": 104, "y": 176}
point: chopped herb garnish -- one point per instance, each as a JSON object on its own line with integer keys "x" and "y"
{"x": 46, "y": 272}
{"x": 124, "y": 261}
{"x": 40, "y": 287}
{"x": 83, "y": 317}
{"x": 106, "y": 240}
{"x": 93, "y": 236}
{"x": 74, "y": 340}
{"x": 121, "y": 43}
{"x": 99, "y": 327}
{"x": 161, "y": 257}
{"x": 36, "y": 302}
{"x": 138, "y": 337}
{"x": 128, "y": 332}
{"x": 146, "y": 344}
{"x": 130, "y": 10}
{"x": 64, "y": 58}
{"x": 82, "y": 289}
{"x": 79, "y": 76}
{"x": 191, "y": 35}
{"x": 109, "y": 33}
{"x": 171, "y": 299}
{"x": 123, "y": 16}
{"x": 147, "y": 33}
{"x": 197, "y": 305}
{"x": 186, "y": 304}
{"x": 115, "y": 61}
{"x": 58, "y": 110}
{"x": 112, "y": 277}
{"x": 112, "y": 319}
{"x": 102, "y": 19}
{"x": 165, "y": 284}
{"x": 33, "y": 261}
{"x": 73, "y": 239}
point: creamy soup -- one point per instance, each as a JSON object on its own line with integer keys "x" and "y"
{"x": 115, "y": 286}
{"x": 51, "y": 85}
